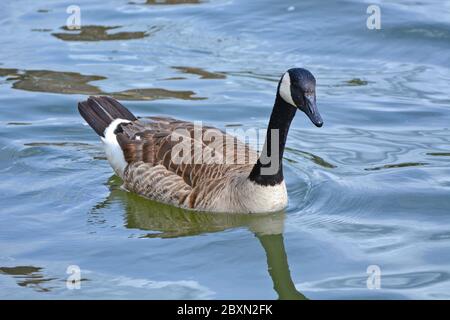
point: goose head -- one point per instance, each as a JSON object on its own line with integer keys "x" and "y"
{"x": 298, "y": 88}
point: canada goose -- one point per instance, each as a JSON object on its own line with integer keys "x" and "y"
{"x": 146, "y": 154}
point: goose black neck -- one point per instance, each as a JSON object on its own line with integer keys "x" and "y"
{"x": 280, "y": 120}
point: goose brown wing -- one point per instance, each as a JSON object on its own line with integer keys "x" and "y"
{"x": 207, "y": 153}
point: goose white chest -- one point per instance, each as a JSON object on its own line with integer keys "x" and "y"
{"x": 246, "y": 196}
{"x": 265, "y": 198}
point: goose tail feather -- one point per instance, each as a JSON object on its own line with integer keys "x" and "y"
{"x": 100, "y": 112}
{"x": 105, "y": 115}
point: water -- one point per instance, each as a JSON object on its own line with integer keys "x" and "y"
{"x": 369, "y": 188}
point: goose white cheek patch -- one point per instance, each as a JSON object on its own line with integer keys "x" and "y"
{"x": 285, "y": 89}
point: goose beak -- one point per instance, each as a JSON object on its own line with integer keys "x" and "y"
{"x": 312, "y": 112}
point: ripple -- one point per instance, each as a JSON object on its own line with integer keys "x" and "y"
{"x": 19, "y": 124}
{"x": 75, "y": 83}
{"x": 154, "y": 94}
{"x": 170, "y": 2}
{"x": 398, "y": 165}
{"x": 52, "y": 81}
{"x": 316, "y": 159}
{"x": 41, "y": 30}
{"x": 98, "y": 33}
{"x": 356, "y": 82}
{"x": 7, "y": 72}
{"x": 439, "y": 154}
{"x": 353, "y": 150}
{"x": 419, "y": 32}
{"x": 440, "y": 236}
{"x": 254, "y": 74}
{"x": 57, "y": 144}
{"x": 200, "y": 72}
{"x": 29, "y": 276}
{"x": 394, "y": 281}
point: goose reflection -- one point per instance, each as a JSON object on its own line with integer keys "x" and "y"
{"x": 163, "y": 221}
